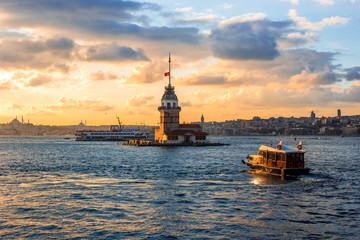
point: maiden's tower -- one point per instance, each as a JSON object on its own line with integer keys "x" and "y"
{"x": 170, "y": 131}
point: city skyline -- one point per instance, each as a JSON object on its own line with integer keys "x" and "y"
{"x": 83, "y": 122}
{"x": 66, "y": 61}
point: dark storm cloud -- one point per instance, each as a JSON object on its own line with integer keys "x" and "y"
{"x": 75, "y": 8}
{"x": 326, "y": 78}
{"x": 113, "y": 52}
{"x": 34, "y": 53}
{"x": 248, "y": 40}
{"x": 295, "y": 61}
{"x": 110, "y": 27}
{"x": 188, "y": 35}
{"x": 353, "y": 74}
{"x": 60, "y": 43}
{"x": 93, "y": 17}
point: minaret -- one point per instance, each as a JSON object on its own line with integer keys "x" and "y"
{"x": 312, "y": 115}
{"x": 202, "y": 121}
{"x": 169, "y": 109}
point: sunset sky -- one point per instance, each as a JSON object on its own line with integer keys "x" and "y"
{"x": 62, "y": 62}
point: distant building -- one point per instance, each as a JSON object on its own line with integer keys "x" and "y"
{"x": 202, "y": 121}
{"x": 339, "y": 113}
{"x": 312, "y": 115}
{"x": 81, "y": 124}
{"x": 15, "y": 122}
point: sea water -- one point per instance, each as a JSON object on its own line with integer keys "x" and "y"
{"x": 51, "y": 188}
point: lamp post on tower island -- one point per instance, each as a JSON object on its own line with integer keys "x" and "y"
{"x": 170, "y": 132}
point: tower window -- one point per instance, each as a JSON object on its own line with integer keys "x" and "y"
{"x": 174, "y": 105}
{"x": 168, "y": 105}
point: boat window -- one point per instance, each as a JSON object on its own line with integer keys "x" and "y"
{"x": 291, "y": 157}
{"x": 299, "y": 157}
{"x": 264, "y": 155}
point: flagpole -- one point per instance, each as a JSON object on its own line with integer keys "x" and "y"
{"x": 169, "y": 71}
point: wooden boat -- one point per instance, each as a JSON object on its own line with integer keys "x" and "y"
{"x": 281, "y": 161}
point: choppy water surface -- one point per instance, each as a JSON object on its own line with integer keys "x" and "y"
{"x": 61, "y": 189}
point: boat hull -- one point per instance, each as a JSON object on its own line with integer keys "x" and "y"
{"x": 281, "y": 172}
{"x": 90, "y": 138}
{"x": 123, "y": 135}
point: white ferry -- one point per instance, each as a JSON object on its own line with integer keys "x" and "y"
{"x": 280, "y": 161}
{"x": 115, "y": 133}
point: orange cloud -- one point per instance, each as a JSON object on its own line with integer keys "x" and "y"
{"x": 139, "y": 100}
{"x": 147, "y": 73}
{"x": 100, "y": 75}
{"x": 66, "y": 103}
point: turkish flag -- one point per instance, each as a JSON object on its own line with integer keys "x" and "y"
{"x": 167, "y": 74}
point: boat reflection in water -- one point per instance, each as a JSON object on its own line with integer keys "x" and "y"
{"x": 283, "y": 161}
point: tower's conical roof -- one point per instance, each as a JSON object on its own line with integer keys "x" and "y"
{"x": 169, "y": 93}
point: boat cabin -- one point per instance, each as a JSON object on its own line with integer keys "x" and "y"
{"x": 280, "y": 157}
{"x": 114, "y": 128}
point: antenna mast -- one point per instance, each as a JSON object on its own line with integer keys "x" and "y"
{"x": 169, "y": 70}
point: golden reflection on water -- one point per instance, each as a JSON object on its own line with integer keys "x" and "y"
{"x": 264, "y": 179}
{"x": 255, "y": 181}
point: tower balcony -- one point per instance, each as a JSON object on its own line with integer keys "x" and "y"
{"x": 162, "y": 108}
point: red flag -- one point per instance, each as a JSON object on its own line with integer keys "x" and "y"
{"x": 167, "y": 74}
